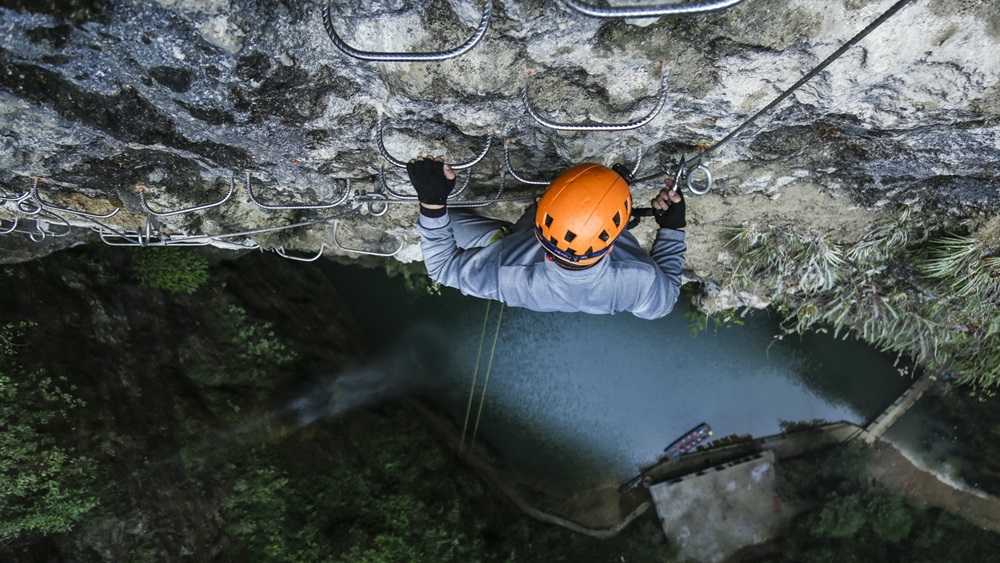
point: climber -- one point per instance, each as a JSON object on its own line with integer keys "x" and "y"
{"x": 569, "y": 252}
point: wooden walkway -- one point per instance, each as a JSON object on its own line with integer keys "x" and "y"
{"x": 889, "y": 417}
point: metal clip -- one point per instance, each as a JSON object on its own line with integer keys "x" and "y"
{"x": 42, "y": 229}
{"x": 680, "y": 170}
{"x": 484, "y": 24}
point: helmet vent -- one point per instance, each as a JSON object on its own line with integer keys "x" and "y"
{"x": 617, "y": 219}
{"x": 554, "y": 241}
{"x": 548, "y": 220}
{"x": 604, "y": 236}
{"x": 570, "y": 235}
{"x": 626, "y": 205}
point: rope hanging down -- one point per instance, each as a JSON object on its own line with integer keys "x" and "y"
{"x": 475, "y": 374}
{"x": 788, "y": 92}
{"x": 486, "y": 380}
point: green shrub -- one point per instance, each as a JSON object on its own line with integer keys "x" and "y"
{"x": 44, "y": 486}
{"x": 840, "y": 517}
{"x": 414, "y": 276}
{"x": 889, "y": 517}
{"x": 171, "y": 268}
{"x": 249, "y": 353}
{"x": 933, "y": 299}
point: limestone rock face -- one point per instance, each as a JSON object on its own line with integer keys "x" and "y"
{"x": 183, "y": 100}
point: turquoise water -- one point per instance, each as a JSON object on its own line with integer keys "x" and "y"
{"x": 577, "y": 400}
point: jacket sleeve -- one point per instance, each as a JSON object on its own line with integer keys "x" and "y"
{"x": 668, "y": 253}
{"x": 472, "y": 271}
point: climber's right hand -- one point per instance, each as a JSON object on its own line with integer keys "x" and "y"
{"x": 670, "y": 209}
{"x": 433, "y": 180}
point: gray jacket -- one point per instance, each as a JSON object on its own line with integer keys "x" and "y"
{"x": 514, "y": 270}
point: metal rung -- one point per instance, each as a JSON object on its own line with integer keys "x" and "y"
{"x": 379, "y": 137}
{"x": 484, "y": 24}
{"x": 336, "y": 224}
{"x": 546, "y": 122}
{"x": 686, "y": 8}
{"x": 142, "y": 200}
{"x": 41, "y": 204}
{"x": 4, "y": 198}
{"x": 340, "y": 201}
{"x": 280, "y": 251}
{"x": 384, "y": 184}
{"x": 510, "y": 169}
{"x": 11, "y": 229}
{"x": 41, "y": 229}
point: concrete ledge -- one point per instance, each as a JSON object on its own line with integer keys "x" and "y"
{"x": 715, "y": 512}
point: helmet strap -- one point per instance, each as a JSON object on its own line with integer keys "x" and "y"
{"x": 569, "y": 265}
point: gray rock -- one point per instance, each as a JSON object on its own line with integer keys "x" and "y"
{"x": 178, "y": 96}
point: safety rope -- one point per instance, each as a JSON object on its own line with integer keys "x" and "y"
{"x": 790, "y": 90}
{"x": 486, "y": 381}
{"x": 475, "y": 375}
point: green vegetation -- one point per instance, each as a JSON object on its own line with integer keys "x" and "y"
{"x": 414, "y": 276}
{"x": 844, "y": 519}
{"x": 247, "y": 353}
{"x": 44, "y": 486}
{"x": 171, "y": 268}
{"x": 254, "y": 346}
{"x": 379, "y": 488}
{"x": 375, "y": 513}
{"x": 699, "y": 322}
{"x": 936, "y": 300}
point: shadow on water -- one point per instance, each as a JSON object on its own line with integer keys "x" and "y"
{"x": 578, "y": 400}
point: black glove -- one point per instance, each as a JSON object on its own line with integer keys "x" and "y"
{"x": 427, "y": 176}
{"x": 673, "y": 217}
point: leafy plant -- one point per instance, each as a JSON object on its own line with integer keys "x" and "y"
{"x": 248, "y": 351}
{"x": 171, "y": 268}
{"x": 965, "y": 266}
{"x": 414, "y": 276}
{"x": 883, "y": 241}
{"x": 254, "y": 343}
{"x": 44, "y": 486}
{"x": 699, "y": 322}
{"x": 933, "y": 299}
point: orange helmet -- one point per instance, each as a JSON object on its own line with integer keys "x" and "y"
{"x": 582, "y": 212}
